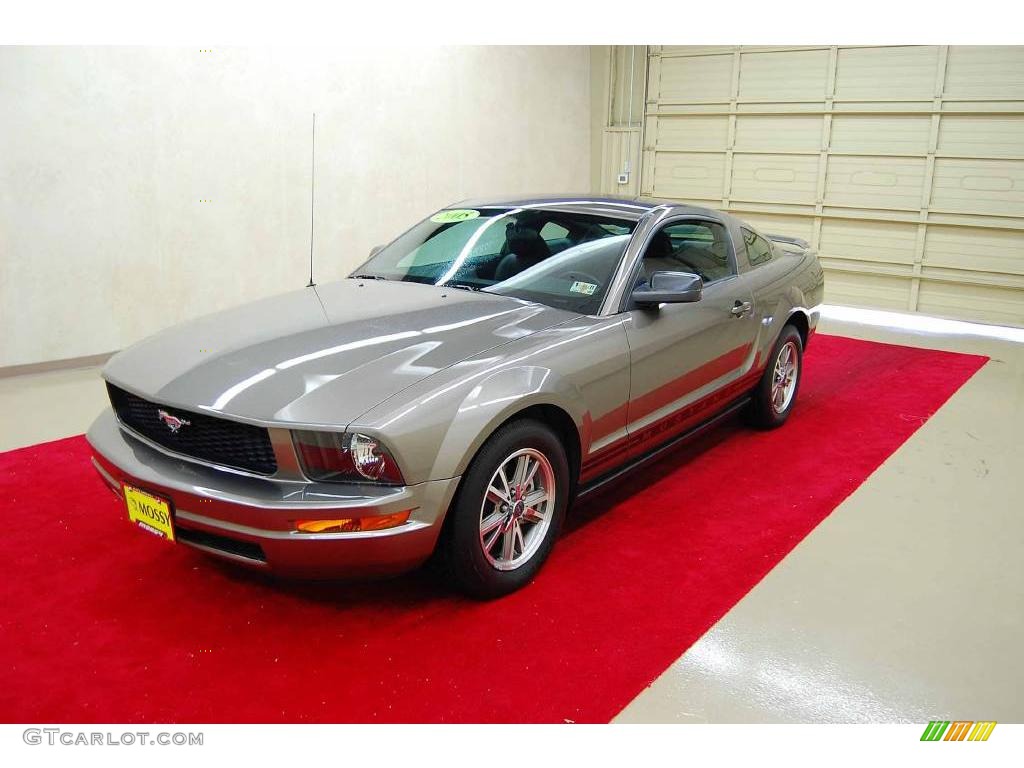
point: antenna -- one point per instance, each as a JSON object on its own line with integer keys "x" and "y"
{"x": 312, "y": 197}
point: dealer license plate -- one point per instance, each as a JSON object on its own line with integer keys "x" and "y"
{"x": 149, "y": 512}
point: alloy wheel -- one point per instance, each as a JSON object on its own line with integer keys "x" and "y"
{"x": 784, "y": 377}
{"x": 517, "y": 509}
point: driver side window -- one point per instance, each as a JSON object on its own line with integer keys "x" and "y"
{"x": 700, "y": 247}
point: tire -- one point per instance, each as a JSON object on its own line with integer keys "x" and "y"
{"x": 478, "y": 514}
{"x": 771, "y": 406}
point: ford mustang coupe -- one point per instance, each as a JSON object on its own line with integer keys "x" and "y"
{"x": 457, "y": 391}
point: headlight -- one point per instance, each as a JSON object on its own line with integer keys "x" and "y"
{"x": 345, "y": 458}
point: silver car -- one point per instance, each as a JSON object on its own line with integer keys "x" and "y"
{"x": 455, "y": 394}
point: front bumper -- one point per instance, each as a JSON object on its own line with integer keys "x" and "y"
{"x": 251, "y": 520}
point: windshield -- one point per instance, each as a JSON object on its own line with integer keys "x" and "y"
{"x": 562, "y": 259}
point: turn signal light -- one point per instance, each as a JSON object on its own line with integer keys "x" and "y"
{"x": 352, "y": 524}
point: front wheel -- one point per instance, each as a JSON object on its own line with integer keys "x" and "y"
{"x": 508, "y": 511}
{"x": 776, "y": 391}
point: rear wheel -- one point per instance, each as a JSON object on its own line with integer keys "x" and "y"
{"x": 776, "y": 392}
{"x": 508, "y": 511}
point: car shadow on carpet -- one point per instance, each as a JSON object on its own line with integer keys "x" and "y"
{"x": 427, "y": 584}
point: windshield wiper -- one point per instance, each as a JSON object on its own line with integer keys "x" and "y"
{"x": 462, "y": 286}
{"x": 367, "y": 277}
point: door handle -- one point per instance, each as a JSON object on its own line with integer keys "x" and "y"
{"x": 741, "y": 308}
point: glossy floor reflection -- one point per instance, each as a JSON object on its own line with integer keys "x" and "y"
{"x": 907, "y": 603}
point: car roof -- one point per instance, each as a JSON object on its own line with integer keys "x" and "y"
{"x": 607, "y": 205}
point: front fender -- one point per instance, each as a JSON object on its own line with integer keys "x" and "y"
{"x": 498, "y": 398}
{"x": 435, "y": 427}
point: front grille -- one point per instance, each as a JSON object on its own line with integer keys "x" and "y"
{"x": 218, "y": 441}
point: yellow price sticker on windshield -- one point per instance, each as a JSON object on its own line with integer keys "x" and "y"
{"x": 453, "y": 215}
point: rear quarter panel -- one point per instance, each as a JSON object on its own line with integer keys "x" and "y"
{"x": 791, "y": 282}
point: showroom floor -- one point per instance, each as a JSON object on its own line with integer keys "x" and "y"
{"x": 903, "y": 605}
{"x": 906, "y": 603}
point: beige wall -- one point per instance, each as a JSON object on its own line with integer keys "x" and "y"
{"x": 140, "y": 187}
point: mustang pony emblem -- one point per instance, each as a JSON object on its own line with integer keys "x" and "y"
{"x": 173, "y": 422}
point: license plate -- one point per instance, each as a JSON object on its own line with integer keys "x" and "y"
{"x": 149, "y": 512}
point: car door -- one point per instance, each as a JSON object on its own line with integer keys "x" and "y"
{"x": 687, "y": 358}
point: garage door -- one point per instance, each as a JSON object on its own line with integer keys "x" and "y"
{"x": 904, "y": 166}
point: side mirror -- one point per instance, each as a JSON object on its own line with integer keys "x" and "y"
{"x": 669, "y": 288}
{"x": 375, "y": 250}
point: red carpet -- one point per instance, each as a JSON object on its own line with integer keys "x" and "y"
{"x": 100, "y": 622}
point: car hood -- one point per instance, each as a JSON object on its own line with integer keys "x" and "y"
{"x": 321, "y": 356}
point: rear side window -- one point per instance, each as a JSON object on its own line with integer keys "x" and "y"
{"x": 759, "y": 250}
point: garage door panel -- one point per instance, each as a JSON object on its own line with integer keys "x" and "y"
{"x": 865, "y": 290}
{"x": 784, "y": 76}
{"x": 975, "y": 248}
{"x": 972, "y": 302}
{"x": 693, "y": 132}
{"x": 884, "y": 107}
{"x": 689, "y": 176}
{"x": 872, "y": 241}
{"x": 982, "y": 135}
{"x": 696, "y": 78}
{"x": 788, "y": 226}
{"x": 780, "y": 108}
{"x": 870, "y": 134}
{"x": 690, "y": 50}
{"x": 775, "y": 178}
{"x": 979, "y": 186}
{"x": 908, "y": 72}
{"x": 875, "y": 182}
{"x": 778, "y": 133}
{"x": 985, "y": 71}
{"x": 902, "y": 165}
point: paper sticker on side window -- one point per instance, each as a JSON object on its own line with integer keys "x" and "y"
{"x": 587, "y": 289}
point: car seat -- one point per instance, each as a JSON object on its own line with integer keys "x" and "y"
{"x": 526, "y": 248}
